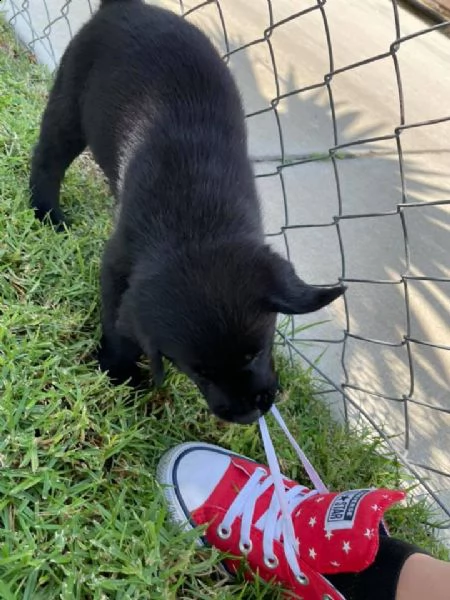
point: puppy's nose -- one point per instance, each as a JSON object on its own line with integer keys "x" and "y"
{"x": 247, "y": 418}
{"x": 264, "y": 401}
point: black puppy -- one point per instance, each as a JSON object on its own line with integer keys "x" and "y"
{"x": 186, "y": 274}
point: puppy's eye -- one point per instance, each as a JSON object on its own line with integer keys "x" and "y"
{"x": 250, "y": 357}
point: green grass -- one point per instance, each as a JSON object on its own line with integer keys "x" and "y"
{"x": 81, "y": 516}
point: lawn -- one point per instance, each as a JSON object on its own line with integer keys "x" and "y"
{"x": 81, "y": 516}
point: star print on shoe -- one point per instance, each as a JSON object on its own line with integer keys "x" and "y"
{"x": 236, "y": 499}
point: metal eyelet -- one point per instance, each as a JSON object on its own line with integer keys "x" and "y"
{"x": 303, "y": 580}
{"x": 223, "y": 532}
{"x": 327, "y": 597}
{"x": 245, "y": 547}
{"x": 271, "y": 562}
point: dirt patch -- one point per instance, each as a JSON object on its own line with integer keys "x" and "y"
{"x": 439, "y": 9}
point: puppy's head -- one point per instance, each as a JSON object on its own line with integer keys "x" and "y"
{"x": 213, "y": 314}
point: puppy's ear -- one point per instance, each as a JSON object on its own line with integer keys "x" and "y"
{"x": 292, "y": 296}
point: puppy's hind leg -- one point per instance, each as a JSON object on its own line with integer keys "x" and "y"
{"x": 60, "y": 142}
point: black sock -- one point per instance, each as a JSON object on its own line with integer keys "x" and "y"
{"x": 380, "y": 580}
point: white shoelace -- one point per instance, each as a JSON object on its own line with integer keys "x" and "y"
{"x": 277, "y": 520}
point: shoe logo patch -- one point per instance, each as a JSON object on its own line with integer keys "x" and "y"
{"x": 342, "y": 511}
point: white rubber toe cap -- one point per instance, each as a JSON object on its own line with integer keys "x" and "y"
{"x": 189, "y": 473}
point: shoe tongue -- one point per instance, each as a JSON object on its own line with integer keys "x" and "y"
{"x": 340, "y": 532}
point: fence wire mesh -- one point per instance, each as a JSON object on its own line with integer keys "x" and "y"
{"x": 355, "y": 178}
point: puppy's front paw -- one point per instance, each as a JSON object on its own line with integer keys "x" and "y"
{"x": 55, "y": 217}
{"x": 119, "y": 370}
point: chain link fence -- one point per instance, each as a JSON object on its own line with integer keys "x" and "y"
{"x": 349, "y": 129}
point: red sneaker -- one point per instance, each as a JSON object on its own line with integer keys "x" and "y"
{"x": 235, "y": 497}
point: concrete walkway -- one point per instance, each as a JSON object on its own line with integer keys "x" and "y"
{"x": 366, "y": 104}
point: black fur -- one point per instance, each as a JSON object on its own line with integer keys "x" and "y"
{"x": 186, "y": 273}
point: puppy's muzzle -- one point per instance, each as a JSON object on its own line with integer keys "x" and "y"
{"x": 246, "y": 410}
